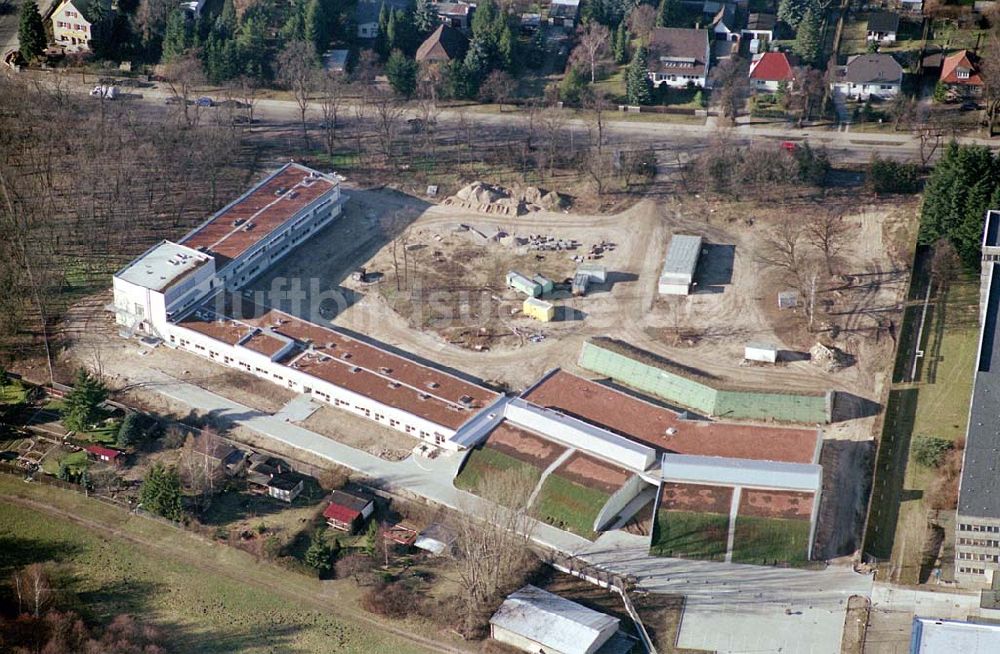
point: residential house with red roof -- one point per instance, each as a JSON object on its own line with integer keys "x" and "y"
{"x": 960, "y": 73}
{"x": 348, "y": 509}
{"x": 106, "y": 454}
{"x": 768, "y": 71}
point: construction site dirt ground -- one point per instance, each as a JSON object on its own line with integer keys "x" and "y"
{"x": 452, "y": 306}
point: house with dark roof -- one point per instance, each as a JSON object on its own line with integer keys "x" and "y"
{"x": 367, "y": 12}
{"x": 725, "y": 25}
{"x": 867, "y": 76}
{"x": 759, "y": 28}
{"x": 285, "y": 486}
{"x": 564, "y": 13}
{"x": 678, "y": 57}
{"x": 960, "y": 73}
{"x": 455, "y": 14}
{"x": 73, "y": 24}
{"x": 768, "y": 71}
{"x": 443, "y": 46}
{"x": 882, "y": 27}
{"x": 348, "y": 509}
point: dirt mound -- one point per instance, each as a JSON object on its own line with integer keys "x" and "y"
{"x": 493, "y": 199}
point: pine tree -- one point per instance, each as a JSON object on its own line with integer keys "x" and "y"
{"x": 638, "y": 88}
{"x": 130, "y": 431}
{"x": 317, "y": 25}
{"x": 31, "y": 31}
{"x": 667, "y": 13}
{"x": 506, "y": 49}
{"x": 318, "y": 555}
{"x": 619, "y": 44}
{"x": 425, "y": 18}
{"x": 227, "y": 18}
{"x": 82, "y": 404}
{"x": 294, "y": 28}
{"x": 371, "y": 539}
{"x": 382, "y": 45}
{"x": 791, "y": 12}
{"x": 401, "y": 72}
{"x": 161, "y": 493}
{"x": 177, "y": 35}
{"x": 807, "y": 44}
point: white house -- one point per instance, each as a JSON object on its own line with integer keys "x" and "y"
{"x": 768, "y": 71}
{"x": 367, "y": 12}
{"x": 867, "y": 76}
{"x": 72, "y": 25}
{"x": 882, "y": 27}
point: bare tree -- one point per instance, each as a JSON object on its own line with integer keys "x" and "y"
{"x": 989, "y": 70}
{"x": 641, "y": 21}
{"x": 730, "y": 86}
{"x": 807, "y": 93}
{"x": 592, "y": 46}
{"x": 826, "y": 231}
{"x": 199, "y": 468}
{"x": 33, "y": 588}
{"x": 498, "y": 87}
{"x": 183, "y": 75}
{"x": 330, "y": 101}
{"x": 552, "y": 122}
{"x": 388, "y": 122}
{"x": 784, "y": 249}
{"x": 364, "y": 85}
{"x": 492, "y": 543}
{"x": 249, "y": 86}
{"x": 598, "y": 165}
{"x": 297, "y": 71}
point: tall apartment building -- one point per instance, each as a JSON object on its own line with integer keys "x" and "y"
{"x": 977, "y": 542}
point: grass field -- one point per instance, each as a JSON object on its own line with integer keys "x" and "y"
{"x": 207, "y": 598}
{"x": 485, "y": 461}
{"x": 770, "y": 540}
{"x": 12, "y": 393}
{"x": 568, "y": 505}
{"x": 75, "y": 461}
{"x": 690, "y": 535}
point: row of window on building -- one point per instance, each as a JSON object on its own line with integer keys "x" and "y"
{"x": 971, "y": 571}
{"x": 991, "y": 529}
{"x": 73, "y": 26}
{"x": 976, "y": 556}
{"x": 978, "y": 542}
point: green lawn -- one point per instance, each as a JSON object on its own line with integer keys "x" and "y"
{"x": 568, "y": 505}
{"x": 485, "y": 461}
{"x": 106, "y": 433}
{"x": 12, "y": 393}
{"x": 76, "y": 461}
{"x": 766, "y": 541}
{"x": 689, "y": 534}
{"x": 207, "y": 598}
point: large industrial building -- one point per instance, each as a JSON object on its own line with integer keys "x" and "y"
{"x": 184, "y": 294}
{"x": 977, "y": 541}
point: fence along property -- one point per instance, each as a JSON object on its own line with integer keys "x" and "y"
{"x": 699, "y": 391}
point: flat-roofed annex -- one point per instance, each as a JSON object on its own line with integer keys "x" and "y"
{"x": 249, "y": 219}
{"x": 162, "y": 266}
{"x": 664, "y": 430}
{"x": 348, "y": 362}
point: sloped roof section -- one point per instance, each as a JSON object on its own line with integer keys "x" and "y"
{"x": 445, "y": 44}
{"x": 553, "y": 621}
{"x": 772, "y": 67}
{"x": 873, "y": 69}
{"x": 959, "y": 61}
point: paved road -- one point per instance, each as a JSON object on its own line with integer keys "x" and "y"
{"x": 729, "y": 606}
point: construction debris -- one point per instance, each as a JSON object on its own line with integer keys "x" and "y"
{"x": 829, "y": 357}
{"x": 494, "y": 199}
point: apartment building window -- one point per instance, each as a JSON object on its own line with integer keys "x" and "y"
{"x": 972, "y": 571}
{"x": 199, "y": 347}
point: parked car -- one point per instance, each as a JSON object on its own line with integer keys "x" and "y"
{"x": 204, "y": 101}
{"x": 969, "y": 106}
{"x": 175, "y": 99}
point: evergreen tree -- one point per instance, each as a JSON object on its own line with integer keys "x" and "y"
{"x": 227, "y": 22}
{"x": 476, "y": 67}
{"x": 402, "y": 73}
{"x": 161, "y": 492}
{"x": 458, "y": 82}
{"x": 63, "y": 473}
{"x": 791, "y": 12}
{"x": 619, "y": 44}
{"x": 391, "y": 34}
{"x": 82, "y": 404}
{"x": 371, "y": 539}
{"x": 85, "y": 479}
{"x": 808, "y": 44}
{"x": 294, "y": 28}
{"x": 638, "y": 88}
{"x": 252, "y": 44}
{"x": 572, "y": 85}
{"x": 318, "y": 555}
{"x": 177, "y": 37}
{"x": 506, "y": 49}
{"x": 667, "y": 13}
{"x": 31, "y": 31}
{"x": 317, "y": 25}
{"x": 425, "y": 18}
{"x": 484, "y": 23}
{"x": 404, "y": 34}
{"x": 130, "y": 431}
{"x": 964, "y": 184}
{"x": 382, "y": 44}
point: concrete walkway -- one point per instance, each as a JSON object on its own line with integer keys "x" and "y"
{"x": 548, "y": 471}
{"x": 734, "y": 508}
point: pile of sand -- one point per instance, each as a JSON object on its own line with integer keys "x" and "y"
{"x": 829, "y": 357}
{"x": 493, "y": 199}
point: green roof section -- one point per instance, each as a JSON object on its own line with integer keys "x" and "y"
{"x": 700, "y": 391}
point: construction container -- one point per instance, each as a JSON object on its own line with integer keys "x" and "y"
{"x": 544, "y": 282}
{"x": 678, "y": 269}
{"x": 595, "y": 272}
{"x": 580, "y": 283}
{"x": 763, "y": 352}
{"x": 539, "y": 309}
{"x": 522, "y": 284}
